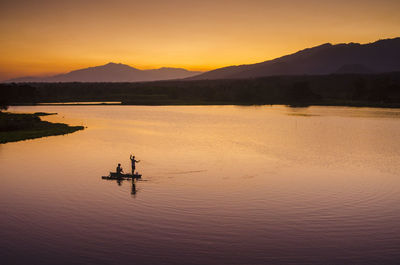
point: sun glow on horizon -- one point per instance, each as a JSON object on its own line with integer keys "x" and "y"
{"x": 49, "y": 37}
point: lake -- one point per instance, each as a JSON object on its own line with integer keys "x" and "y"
{"x": 220, "y": 185}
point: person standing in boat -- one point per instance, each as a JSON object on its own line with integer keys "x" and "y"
{"x": 119, "y": 169}
{"x": 133, "y": 161}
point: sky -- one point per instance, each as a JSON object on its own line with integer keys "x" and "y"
{"x": 45, "y": 37}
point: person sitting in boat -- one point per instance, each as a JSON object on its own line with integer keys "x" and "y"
{"x": 119, "y": 169}
{"x": 133, "y": 161}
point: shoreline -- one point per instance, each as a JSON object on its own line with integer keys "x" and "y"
{"x": 205, "y": 103}
{"x": 16, "y": 127}
{"x": 350, "y": 90}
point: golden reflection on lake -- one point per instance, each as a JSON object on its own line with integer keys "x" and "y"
{"x": 221, "y": 185}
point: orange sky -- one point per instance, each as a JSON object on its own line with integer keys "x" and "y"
{"x": 48, "y": 36}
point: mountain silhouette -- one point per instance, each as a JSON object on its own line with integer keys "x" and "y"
{"x": 378, "y": 57}
{"x": 112, "y": 72}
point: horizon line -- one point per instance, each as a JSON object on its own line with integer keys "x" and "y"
{"x": 194, "y": 69}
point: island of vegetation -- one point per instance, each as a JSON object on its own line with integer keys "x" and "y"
{"x": 17, "y": 127}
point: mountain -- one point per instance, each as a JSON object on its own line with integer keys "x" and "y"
{"x": 112, "y": 72}
{"x": 378, "y": 57}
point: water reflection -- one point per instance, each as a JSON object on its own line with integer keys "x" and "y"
{"x": 227, "y": 185}
{"x": 119, "y": 182}
{"x": 133, "y": 188}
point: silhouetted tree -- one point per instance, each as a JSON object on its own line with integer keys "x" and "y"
{"x": 300, "y": 92}
{"x": 3, "y": 106}
{"x": 360, "y": 88}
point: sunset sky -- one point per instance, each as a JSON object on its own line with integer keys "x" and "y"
{"x": 44, "y": 37}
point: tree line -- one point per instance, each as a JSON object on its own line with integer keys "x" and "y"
{"x": 335, "y": 89}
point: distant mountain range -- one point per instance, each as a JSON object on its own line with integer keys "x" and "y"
{"x": 112, "y": 72}
{"x": 378, "y": 57}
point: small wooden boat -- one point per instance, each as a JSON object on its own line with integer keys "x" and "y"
{"x": 121, "y": 176}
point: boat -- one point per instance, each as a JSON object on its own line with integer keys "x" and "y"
{"x": 121, "y": 176}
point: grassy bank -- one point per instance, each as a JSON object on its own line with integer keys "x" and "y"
{"x": 17, "y": 127}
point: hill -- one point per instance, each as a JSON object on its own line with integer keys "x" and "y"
{"x": 378, "y": 57}
{"x": 112, "y": 72}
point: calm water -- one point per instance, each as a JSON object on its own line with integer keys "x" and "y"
{"x": 221, "y": 185}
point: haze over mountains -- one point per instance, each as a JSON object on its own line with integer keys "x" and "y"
{"x": 378, "y": 57}
{"x": 112, "y": 72}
